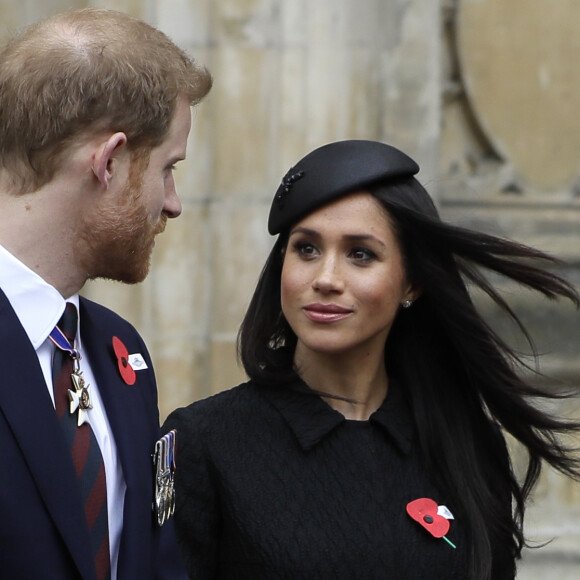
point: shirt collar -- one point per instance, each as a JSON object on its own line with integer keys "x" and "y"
{"x": 311, "y": 419}
{"x": 37, "y": 304}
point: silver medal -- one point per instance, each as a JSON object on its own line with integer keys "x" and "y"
{"x": 164, "y": 462}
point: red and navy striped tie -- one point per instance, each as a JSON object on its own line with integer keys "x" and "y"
{"x": 85, "y": 450}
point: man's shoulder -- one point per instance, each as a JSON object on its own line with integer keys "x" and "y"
{"x": 102, "y": 315}
{"x": 99, "y": 323}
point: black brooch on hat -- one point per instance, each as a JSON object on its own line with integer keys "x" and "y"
{"x": 287, "y": 182}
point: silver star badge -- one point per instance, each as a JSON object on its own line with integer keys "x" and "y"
{"x": 79, "y": 398}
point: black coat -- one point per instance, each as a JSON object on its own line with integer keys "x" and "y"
{"x": 272, "y": 483}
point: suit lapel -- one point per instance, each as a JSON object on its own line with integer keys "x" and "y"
{"x": 127, "y": 413}
{"x": 124, "y": 404}
{"x": 28, "y": 408}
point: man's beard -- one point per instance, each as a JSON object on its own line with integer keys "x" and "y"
{"x": 119, "y": 240}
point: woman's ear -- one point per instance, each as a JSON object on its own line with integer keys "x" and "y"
{"x": 104, "y": 158}
{"x": 413, "y": 293}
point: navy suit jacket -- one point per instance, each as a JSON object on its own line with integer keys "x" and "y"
{"x": 43, "y": 534}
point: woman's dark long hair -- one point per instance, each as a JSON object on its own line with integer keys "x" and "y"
{"x": 460, "y": 377}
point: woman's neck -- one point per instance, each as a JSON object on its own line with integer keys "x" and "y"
{"x": 361, "y": 382}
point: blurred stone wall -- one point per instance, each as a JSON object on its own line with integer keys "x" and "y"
{"x": 483, "y": 93}
{"x": 509, "y": 164}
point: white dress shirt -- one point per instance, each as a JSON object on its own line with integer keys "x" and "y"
{"x": 39, "y": 307}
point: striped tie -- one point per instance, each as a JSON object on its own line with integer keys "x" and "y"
{"x": 85, "y": 450}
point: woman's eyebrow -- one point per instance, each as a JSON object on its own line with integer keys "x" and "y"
{"x": 363, "y": 238}
{"x": 348, "y": 237}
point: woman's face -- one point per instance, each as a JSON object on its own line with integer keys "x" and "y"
{"x": 343, "y": 279}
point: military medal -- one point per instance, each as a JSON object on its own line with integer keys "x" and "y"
{"x": 80, "y": 399}
{"x": 164, "y": 463}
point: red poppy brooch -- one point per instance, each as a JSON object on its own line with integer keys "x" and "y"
{"x": 127, "y": 363}
{"x": 434, "y": 518}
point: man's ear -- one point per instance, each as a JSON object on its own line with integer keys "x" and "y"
{"x": 103, "y": 160}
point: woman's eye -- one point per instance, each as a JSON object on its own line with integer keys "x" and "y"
{"x": 305, "y": 249}
{"x": 362, "y": 254}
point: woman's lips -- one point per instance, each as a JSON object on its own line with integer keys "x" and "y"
{"x": 326, "y": 312}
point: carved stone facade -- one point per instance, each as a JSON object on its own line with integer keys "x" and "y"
{"x": 483, "y": 93}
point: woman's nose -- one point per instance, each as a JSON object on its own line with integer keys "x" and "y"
{"x": 328, "y": 277}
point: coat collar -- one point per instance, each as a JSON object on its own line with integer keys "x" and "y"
{"x": 311, "y": 419}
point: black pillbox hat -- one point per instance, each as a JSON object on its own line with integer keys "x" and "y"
{"x": 332, "y": 171}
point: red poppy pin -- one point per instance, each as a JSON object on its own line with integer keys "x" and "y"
{"x": 125, "y": 368}
{"x": 434, "y": 518}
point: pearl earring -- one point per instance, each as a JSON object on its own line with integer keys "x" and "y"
{"x": 407, "y": 304}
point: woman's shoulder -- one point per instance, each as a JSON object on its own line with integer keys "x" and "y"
{"x": 220, "y": 407}
{"x": 216, "y": 426}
